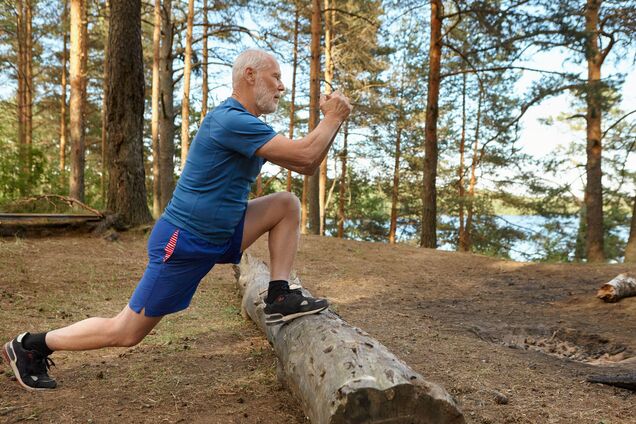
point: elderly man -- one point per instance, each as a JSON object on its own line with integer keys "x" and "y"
{"x": 208, "y": 221}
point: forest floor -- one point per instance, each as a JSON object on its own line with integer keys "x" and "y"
{"x": 483, "y": 328}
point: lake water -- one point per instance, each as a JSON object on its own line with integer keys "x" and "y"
{"x": 519, "y": 250}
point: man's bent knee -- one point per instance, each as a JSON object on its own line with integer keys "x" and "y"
{"x": 292, "y": 204}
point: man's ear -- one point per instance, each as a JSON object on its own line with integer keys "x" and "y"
{"x": 250, "y": 75}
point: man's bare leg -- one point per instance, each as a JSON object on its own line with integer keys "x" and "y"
{"x": 126, "y": 329}
{"x": 278, "y": 214}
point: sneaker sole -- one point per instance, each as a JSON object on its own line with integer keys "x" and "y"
{"x": 275, "y": 319}
{"x": 7, "y": 353}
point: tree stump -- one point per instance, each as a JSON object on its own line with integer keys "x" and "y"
{"x": 623, "y": 285}
{"x": 339, "y": 373}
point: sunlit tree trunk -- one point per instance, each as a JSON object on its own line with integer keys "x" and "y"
{"x": 462, "y": 243}
{"x": 63, "y": 111}
{"x": 468, "y": 231}
{"x": 343, "y": 183}
{"x": 594, "y": 186}
{"x": 78, "y": 98}
{"x": 166, "y": 106}
{"x": 313, "y": 198}
{"x": 125, "y": 105}
{"x": 292, "y": 106}
{"x": 630, "y": 249}
{"x": 156, "y": 154}
{"x": 104, "y": 178}
{"x": 429, "y": 191}
{"x": 303, "y": 205}
{"x": 185, "y": 101}
{"x": 396, "y": 185}
{"x": 204, "y": 83}
{"x": 328, "y": 80}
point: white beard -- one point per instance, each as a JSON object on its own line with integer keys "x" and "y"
{"x": 265, "y": 102}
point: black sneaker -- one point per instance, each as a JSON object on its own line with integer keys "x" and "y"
{"x": 290, "y": 305}
{"x": 29, "y": 366}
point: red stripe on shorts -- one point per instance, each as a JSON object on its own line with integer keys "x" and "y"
{"x": 169, "y": 249}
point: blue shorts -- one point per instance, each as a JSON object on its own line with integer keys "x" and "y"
{"x": 177, "y": 262}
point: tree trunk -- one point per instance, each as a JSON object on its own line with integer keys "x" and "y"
{"x": 292, "y": 106}
{"x": 303, "y": 205}
{"x": 205, "y": 85}
{"x": 21, "y": 72}
{"x": 396, "y": 185}
{"x": 328, "y": 80}
{"x": 78, "y": 98}
{"x": 185, "y": 101}
{"x": 22, "y": 92}
{"x": 29, "y": 90}
{"x": 156, "y": 154}
{"x": 462, "y": 244}
{"x": 104, "y": 178}
{"x": 166, "y": 107}
{"x": 63, "y": 129}
{"x": 468, "y": 234}
{"x": 594, "y": 186}
{"x": 630, "y": 249}
{"x": 125, "y": 105}
{"x": 339, "y": 373}
{"x": 343, "y": 183}
{"x": 429, "y": 191}
{"x": 313, "y": 198}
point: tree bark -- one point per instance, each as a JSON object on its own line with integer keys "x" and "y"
{"x": 29, "y": 89}
{"x": 292, "y": 106}
{"x": 339, "y": 373}
{"x": 342, "y": 217}
{"x": 313, "y": 198}
{"x": 630, "y": 249}
{"x": 328, "y": 80}
{"x": 462, "y": 244}
{"x": 21, "y": 73}
{"x": 470, "y": 210}
{"x": 205, "y": 85}
{"x": 63, "y": 112}
{"x": 396, "y": 185}
{"x": 125, "y": 105}
{"x": 156, "y": 153}
{"x": 185, "y": 101}
{"x": 166, "y": 107}
{"x": 623, "y": 285}
{"x": 104, "y": 177}
{"x": 429, "y": 190}
{"x": 77, "y": 102}
{"x": 594, "y": 186}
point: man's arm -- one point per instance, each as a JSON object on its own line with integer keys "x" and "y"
{"x": 305, "y": 155}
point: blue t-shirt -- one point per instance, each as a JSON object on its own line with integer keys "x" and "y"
{"x": 211, "y": 195}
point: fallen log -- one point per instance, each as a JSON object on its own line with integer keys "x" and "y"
{"x": 623, "y": 285}
{"x": 339, "y": 373}
{"x": 624, "y": 381}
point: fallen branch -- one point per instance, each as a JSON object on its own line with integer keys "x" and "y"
{"x": 339, "y": 373}
{"x": 70, "y": 201}
{"x": 623, "y": 285}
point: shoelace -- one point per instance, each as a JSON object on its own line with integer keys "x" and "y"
{"x": 42, "y": 364}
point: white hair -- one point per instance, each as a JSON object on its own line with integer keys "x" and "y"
{"x": 250, "y": 58}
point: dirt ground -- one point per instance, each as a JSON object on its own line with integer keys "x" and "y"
{"x": 512, "y": 342}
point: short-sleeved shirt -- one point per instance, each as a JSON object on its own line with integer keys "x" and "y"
{"x": 212, "y": 192}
